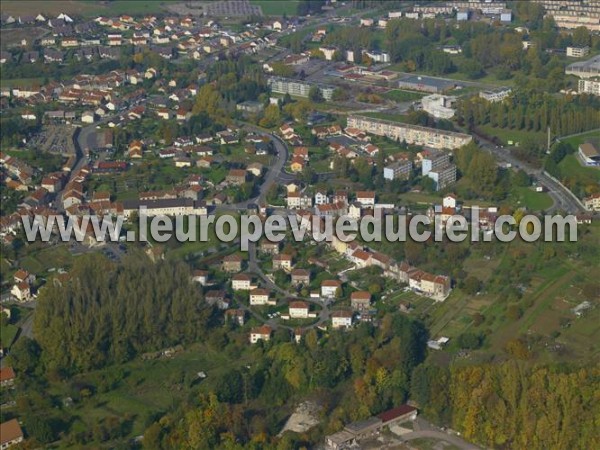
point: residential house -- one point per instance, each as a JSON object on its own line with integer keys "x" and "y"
{"x": 217, "y": 298}
{"x": 360, "y": 300}
{"x": 300, "y": 277}
{"x": 7, "y": 376}
{"x": 232, "y": 263}
{"x": 10, "y": 434}
{"x": 241, "y": 282}
{"x": 21, "y": 291}
{"x": 200, "y": 276}
{"x": 330, "y": 288}
{"x": 366, "y": 198}
{"x": 262, "y": 333}
{"x": 298, "y": 310}
{"x": 268, "y": 247}
{"x": 341, "y": 319}
{"x": 260, "y": 297}
{"x": 236, "y": 177}
{"x": 283, "y": 262}
{"x": 298, "y": 200}
{"x": 236, "y": 315}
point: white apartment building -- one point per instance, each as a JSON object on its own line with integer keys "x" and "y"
{"x": 578, "y": 52}
{"x": 589, "y": 87}
{"x": 412, "y": 134}
{"x": 495, "y": 95}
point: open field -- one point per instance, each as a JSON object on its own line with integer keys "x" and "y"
{"x": 12, "y": 37}
{"x": 534, "y": 201}
{"x": 39, "y": 262}
{"x": 506, "y": 135}
{"x": 556, "y": 287}
{"x": 574, "y": 141}
{"x": 277, "y": 7}
{"x": 22, "y": 82}
{"x": 570, "y": 167}
{"x": 399, "y": 95}
{"x": 86, "y": 8}
{"x": 7, "y": 335}
{"x": 148, "y": 387}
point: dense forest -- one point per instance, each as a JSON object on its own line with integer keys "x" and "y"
{"x": 514, "y": 405}
{"x": 531, "y": 111}
{"x": 108, "y": 314}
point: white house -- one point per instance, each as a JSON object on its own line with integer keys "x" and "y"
{"x": 298, "y": 310}
{"x": 329, "y": 288}
{"x": 321, "y": 198}
{"x": 260, "y": 297}
{"x": 341, "y": 319}
{"x": 366, "y": 198}
{"x": 260, "y": 334}
{"x": 241, "y": 281}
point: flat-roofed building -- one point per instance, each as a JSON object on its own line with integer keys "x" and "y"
{"x": 412, "y": 134}
{"x": 591, "y": 87}
{"x": 589, "y": 154}
{"x": 400, "y": 170}
{"x": 585, "y": 69}
{"x": 578, "y": 52}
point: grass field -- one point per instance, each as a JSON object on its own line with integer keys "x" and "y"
{"x": 556, "y": 287}
{"x": 277, "y": 7}
{"x": 574, "y": 141}
{"x": 48, "y": 257}
{"x": 21, "y": 82}
{"x": 7, "y": 335}
{"x": 570, "y": 167}
{"x": 149, "y": 387}
{"x": 86, "y": 8}
{"x": 534, "y": 201}
{"x": 399, "y": 95}
{"x": 506, "y": 135}
{"x": 15, "y": 36}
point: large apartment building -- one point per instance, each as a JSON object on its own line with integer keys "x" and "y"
{"x": 412, "y": 134}
{"x": 400, "y": 170}
{"x": 165, "y": 207}
{"x": 296, "y": 87}
{"x": 589, "y": 87}
{"x": 437, "y": 166}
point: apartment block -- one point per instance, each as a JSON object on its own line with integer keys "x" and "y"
{"x": 412, "y": 134}
{"x": 444, "y": 176}
{"x": 589, "y": 87}
{"x": 434, "y": 161}
{"x": 296, "y": 87}
{"x": 578, "y": 52}
{"x": 399, "y": 170}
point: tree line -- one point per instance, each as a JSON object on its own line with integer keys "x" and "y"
{"x": 512, "y": 404}
{"x": 107, "y": 314}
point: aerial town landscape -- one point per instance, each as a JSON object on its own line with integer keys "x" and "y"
{"x": 317, "y": 111}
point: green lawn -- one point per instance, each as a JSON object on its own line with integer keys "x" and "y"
{"x": 574, "y": 141}
{"x": 400, "y": 95}
{"x": 150, "y": 387}
{"x": 506, "y": 135}
{"x": 86, "y": 8}
{"x": 7, "y": 334}
{"x": 534, "y": 201}
{"x": 20, "y": 82}
{"x": 277, "y": 7}
{"x": 48, "y": 257}
{"x": 570, "y": 167}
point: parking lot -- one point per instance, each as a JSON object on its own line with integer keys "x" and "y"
{"x": 54, "y": 139}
